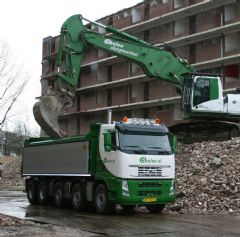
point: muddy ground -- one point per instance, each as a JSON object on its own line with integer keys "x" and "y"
{"x": 14, "y": 223}
{"x": 29, "y": 220}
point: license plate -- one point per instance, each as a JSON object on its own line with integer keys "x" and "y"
{"x": 149, "y": 199}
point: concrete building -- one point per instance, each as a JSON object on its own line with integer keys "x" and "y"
{"x": 205, "y": 32}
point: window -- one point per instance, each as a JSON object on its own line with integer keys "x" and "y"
{"x": 231, "y": 42}
{"x": 231, "y": 12}
{"x": 161, "y": 2}
{"x": 53, "y": 65}
{"x": 144, "y": 143}
{"x": 99, "y": 98}
{"x": 134, "y": 69}
{"x": 88, "y": 118}
{"x": 201, "y": 91}
{"x": 89, "y": 94}
{"x": 136, "y": 15}
{"x": 52, "y": 49}
{"x": 180, "y": 27}
{"x": 163, "y": 108}
{"x": 51, "y": 83}
{"x": 109, "y": 73}
{"x": 177, "y": 112}
{"x": 86, "y": 70}
{"x": 94, "y": 70}
{"x": 101, "y": 53}
{"x": 178, "y": 3}
{"x": 146, "y": 91}
{"x": 109, "y": 97}
{"x": 78, "y": 103}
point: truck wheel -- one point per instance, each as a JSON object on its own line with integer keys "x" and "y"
{"x": 31, "y": 187}
{"x": 58, "y": 196}
{"x": 77, "y": 197}
{"x": 43, "y": 192}
{"x": 101, "y": 200}
{"x": 155, "y": 208}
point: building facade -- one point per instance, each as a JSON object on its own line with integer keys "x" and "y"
{"x": 205, "y": 32}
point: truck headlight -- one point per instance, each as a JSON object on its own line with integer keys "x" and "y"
{"x": 125, "y": 190}
{"x": 172, "y": 188}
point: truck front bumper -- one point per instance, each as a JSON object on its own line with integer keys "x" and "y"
{"x": 145, "y": 192}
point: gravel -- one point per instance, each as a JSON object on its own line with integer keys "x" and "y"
{"x": 11, "y": 173}
{"x": 207, "y": 177}
{"x": 12, "y": 221}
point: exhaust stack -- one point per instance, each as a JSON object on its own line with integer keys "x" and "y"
{"x": 109, "y": 116}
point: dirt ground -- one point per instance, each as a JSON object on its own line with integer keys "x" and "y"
{"x": 47, "y": 221}
{"x": 10, "y": 226}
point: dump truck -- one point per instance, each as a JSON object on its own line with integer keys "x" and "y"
{"x": 128, "y": 163}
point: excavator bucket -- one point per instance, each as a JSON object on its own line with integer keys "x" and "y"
{"x": 47, "y": 110}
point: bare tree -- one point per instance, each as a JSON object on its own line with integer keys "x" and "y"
{"x": 12, "y": 83}
{"x": 14, "y": 140}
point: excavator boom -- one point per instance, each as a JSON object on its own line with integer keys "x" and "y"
{"x": 156, "y": 62}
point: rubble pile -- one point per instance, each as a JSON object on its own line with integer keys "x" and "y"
{"x": 10, "y": 221}
{"x": 11, "y": 173}
{"x": 208, "y": 177}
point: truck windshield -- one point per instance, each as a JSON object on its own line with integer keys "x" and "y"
{"x": 144, "y": 143}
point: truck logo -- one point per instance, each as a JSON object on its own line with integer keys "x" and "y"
{"x": 143, "y": 159}
{"x": 105, "y": 160}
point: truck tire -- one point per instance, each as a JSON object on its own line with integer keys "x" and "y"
{"x": 101, "y": 200}
{"x": 31, "y": 188}
{"x": 43, "y": 192}
{"x": 155, "y": 208}
{"x": 58, "y": 195}
{"x": 77, "y": 197}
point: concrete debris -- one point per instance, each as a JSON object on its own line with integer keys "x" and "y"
{"x": 207, "y": 177}
{"x": 12, "y": 221}
{"x": 11, "y": 172}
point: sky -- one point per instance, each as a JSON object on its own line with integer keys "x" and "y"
{"x": 24, "y": 23}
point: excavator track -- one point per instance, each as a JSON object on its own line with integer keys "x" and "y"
{"x": 198, "y": 131}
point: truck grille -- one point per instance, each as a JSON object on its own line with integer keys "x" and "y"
{"x": 150, "y": 185}
{"x": 149, "y": 193}
{"x": 149, "y": 188}
{"x": 148, "y": 171}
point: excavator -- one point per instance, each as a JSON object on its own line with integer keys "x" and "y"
{"x": 203, "y": 103}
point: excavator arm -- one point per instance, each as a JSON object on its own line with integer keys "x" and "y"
{"x": 159, "y": 63}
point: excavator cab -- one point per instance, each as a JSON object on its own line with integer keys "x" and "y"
{"x": 202, "y": 93}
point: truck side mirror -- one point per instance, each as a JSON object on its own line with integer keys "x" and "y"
{"x": 107, "y": 142}
{"x": 173, "y": 141}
